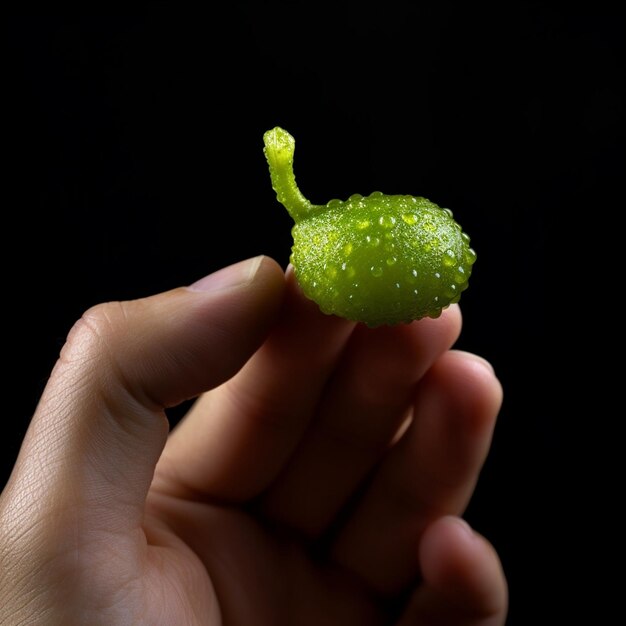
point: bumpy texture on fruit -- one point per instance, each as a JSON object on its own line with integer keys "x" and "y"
{"x": 377, "y": 259}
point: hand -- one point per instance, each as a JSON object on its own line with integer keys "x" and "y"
{"x": 317, "y": 482}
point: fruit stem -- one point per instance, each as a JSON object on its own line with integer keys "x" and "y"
{"x": 279, "y": 149}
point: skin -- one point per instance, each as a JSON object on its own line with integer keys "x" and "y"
{"x": 294, "y": 492}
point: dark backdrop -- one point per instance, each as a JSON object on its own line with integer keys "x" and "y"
{"x": 136, "y": 165}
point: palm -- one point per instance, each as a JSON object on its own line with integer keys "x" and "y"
{"x": 232, "y": 570}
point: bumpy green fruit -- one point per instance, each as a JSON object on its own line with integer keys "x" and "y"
{"x": 377, "y": 259}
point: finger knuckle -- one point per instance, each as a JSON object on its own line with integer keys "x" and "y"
{"x": 99, "y": 330}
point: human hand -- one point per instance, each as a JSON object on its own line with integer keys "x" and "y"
{"x": 286, "y": 495}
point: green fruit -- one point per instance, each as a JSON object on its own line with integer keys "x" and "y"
{"x": 376, "y": 259}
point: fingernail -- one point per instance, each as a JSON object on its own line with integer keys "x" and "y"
{"x": 462, "y": 524}
{"x": 480, "y": 360}
{"x": 484, "y": 363}
{"x": 228, "y": 277}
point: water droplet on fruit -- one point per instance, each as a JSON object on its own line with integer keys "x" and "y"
{"x": 376, "y": 194}
{"x": 334, "y": 203}
{"x": 448, "y": 212}
{"x": 409, "y": 218}
{"x": 387, "y": 221}
{"x": 451, "y": 291}
{"x": 355, "y": 197}
{"x": 347, "y": 249}
{"x": 376, "y": 270}
{"x": 363, "y": 224}
{"x": 449, "y": 258}
{"x": 392, "y": 260}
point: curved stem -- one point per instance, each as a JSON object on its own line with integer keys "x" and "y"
{"x": 279, "y": 149}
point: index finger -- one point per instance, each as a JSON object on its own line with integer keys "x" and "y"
{"x": 237, "y": 437}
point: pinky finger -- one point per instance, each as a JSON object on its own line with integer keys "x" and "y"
{"x": 462, "y": 579}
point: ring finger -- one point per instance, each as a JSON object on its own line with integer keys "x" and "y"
{"x": 430, "y": 472}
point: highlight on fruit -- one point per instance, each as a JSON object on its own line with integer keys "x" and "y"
{"x": 377, "y": 259}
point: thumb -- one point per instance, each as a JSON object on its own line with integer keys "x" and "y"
{"x": 100, "y": 426}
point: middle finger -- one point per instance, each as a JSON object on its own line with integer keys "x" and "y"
{"x": 362, "y": 409}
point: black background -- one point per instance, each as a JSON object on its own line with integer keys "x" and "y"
{"x": 136, "y": 165}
